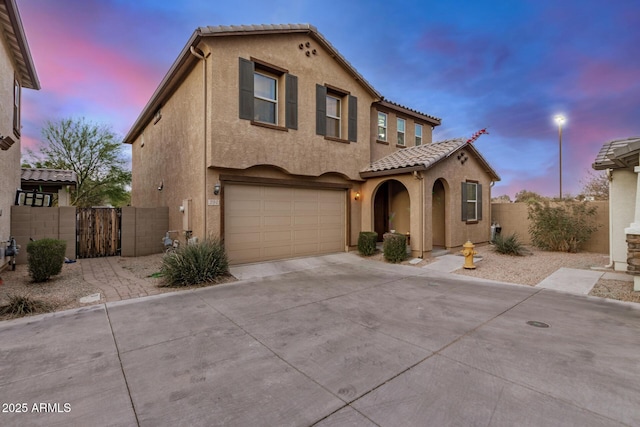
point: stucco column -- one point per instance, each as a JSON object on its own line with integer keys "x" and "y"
{"x": 633, "y": 239}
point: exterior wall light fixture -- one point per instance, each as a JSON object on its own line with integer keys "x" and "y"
{"x": 357, "y": 196}
{"x": 216, "y": 188}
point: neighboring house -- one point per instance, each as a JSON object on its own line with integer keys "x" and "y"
{"x": 268, "y": 137}
{"x": 54, "y": 183}
{"x": 16, "y": 72}
{"x": 621, "y": 159}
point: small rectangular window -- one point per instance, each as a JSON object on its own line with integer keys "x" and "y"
{"x": 418, "y": 134}
{"x": 265, "y": 98}
{"x": 471, "y": 201}
{"x": 16, "y": 107}
{"x": 382, "y": 126}
{"x": 334, "y": 114}
{"x": 401, "y": 129}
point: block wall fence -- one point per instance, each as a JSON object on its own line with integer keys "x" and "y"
{"x": 141, "y": 229}
{"x": 512, "y": 217}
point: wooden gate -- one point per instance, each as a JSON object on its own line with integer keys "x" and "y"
{"x": 98, "y": 232}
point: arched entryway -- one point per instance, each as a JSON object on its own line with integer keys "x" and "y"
{"x": 391, "y": 208}
{"x": 438, "y": 215}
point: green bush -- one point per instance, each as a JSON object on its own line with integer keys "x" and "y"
{"x": 45, "y": 258}
{"x": 509, "y": 245}
{"x": 202, "y": 262}
{"x": 562, "y": 227}
{"x": 367, "y": 242}
{"x": 395, "y": 247}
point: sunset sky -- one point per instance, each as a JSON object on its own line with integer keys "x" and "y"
{"x": 507, "y": 65}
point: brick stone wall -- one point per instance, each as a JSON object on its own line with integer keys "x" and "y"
{"x": 633, "y": 254}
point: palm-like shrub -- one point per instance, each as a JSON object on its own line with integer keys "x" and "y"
{"x": 508, "y": 245}
{"x": 202, "y": 262}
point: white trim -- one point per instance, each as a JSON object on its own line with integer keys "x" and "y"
{"x": 385, "y": 127}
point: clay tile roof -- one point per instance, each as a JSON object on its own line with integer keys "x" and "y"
{"x": 53, "y": 176}
{"x": 619, "y": 153}
{"x": 410, "y": 111}
{"x": 423, "y": 157}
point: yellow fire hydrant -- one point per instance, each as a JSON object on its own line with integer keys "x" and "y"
{"x": 468, "y": 254}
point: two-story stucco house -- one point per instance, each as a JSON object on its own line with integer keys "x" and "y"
{"x": 16, "y": 72}
{"x": 268, "y": 137}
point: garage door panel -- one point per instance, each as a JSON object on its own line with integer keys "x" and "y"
{"x": 265, "y": 223}
{"x": 310, "y": 220}
{"x": 276, "y": 221}
{"x": 276, "y": 236}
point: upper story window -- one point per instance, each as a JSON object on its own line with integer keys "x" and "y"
{"x": 336, "y": 114}
{"x": 268, "y": 95}
{"x": 334, "y": 123}
{"x": 16, "y": 107}
{"x": 382, "y": 126}
{"x": 401, "y": 130}
{"x": 418, "y": 134}
{"x": 471, "y": 201}
{"x": 265, "y": 107}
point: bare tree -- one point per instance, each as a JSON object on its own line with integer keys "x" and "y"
{"x": 596, "y": 185}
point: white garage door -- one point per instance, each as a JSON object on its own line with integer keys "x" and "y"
{"x": 264, "y": 223}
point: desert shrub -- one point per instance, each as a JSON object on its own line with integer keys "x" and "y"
{"x": 367, "y": 242}
{"x": 45, "y": 258}
{"x": 508, "y": 245}
{"x": 561, "y": 227}
{"x": 205, "y": 261}
{"x": 22, "y": 305}
{"x": 395, "y": 247}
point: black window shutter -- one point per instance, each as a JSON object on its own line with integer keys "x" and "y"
{"x": 353, "y": 118}
{"x": 291, "y": 88}
{"x": 479, "y": 196}
{"x": 464, "y": 201}
{"x": 246, "y": 89}
{"x": 321, "y": 110}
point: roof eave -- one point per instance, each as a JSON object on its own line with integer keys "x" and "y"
{"x": 165, "y": 88}
{"x": 395, "y": 171}
{"x": 18, "y": 46}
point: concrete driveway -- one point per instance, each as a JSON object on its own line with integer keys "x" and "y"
{"x": 329, "y": 341}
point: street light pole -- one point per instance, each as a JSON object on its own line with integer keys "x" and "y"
{"x": 560, "y": 120}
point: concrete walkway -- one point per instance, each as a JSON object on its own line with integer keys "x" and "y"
{"x": 346, "y": 341}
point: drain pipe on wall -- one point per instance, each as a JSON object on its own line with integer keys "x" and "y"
{"x": 200, "y": 55}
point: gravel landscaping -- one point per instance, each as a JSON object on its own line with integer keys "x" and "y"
{"x": 64, "y": 291}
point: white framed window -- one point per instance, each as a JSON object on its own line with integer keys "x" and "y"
{"x": 334, "y": 114}
{"x": 401, "y": 123}
{"x": 382, "y": 126}
{"x": 418, "y": 134}
{"x": 16, "y": 107}
{"x": 265, "y": 106}
{"x": 471, "y": 201}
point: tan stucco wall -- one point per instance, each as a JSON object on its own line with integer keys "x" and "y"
{"x": 379, "y": 149}
{"x": 452, "y": 172}
{"x": 9, "y": 159}
{"x": 173, "y": 154}
{"x": 238, "y": 144}
{"x": 420, "y": 191}
{"x": 513, "y": 218}
{"x": 622, "y": 198}
{"x": 173, "y": 151}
